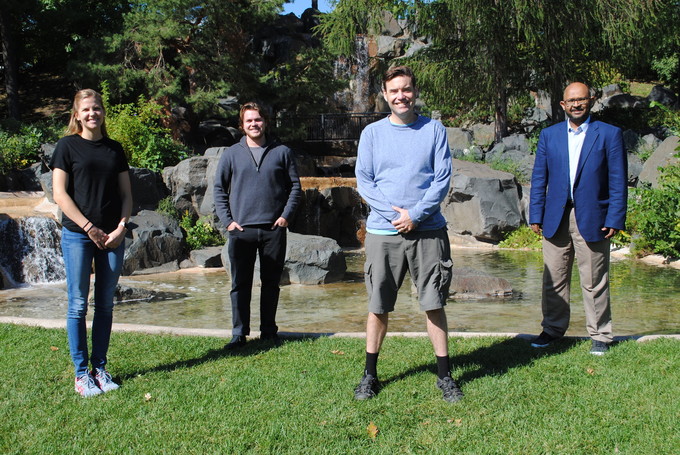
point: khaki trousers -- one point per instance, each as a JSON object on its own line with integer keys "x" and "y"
{"x": 593, "y": 266}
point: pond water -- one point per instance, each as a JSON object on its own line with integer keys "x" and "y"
{"x": 645, "y": 300}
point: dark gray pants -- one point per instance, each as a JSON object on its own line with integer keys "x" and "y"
{"x": 244, "y": 246}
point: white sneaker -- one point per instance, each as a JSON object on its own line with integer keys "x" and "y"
{"x": 86, "y": 386}
{"x": 103, "y": 379}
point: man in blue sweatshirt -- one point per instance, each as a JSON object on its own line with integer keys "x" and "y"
{"x": 403, "y": 172}
{"x": 256, "y": 192}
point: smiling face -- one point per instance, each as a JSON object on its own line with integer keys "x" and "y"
{"x": 253, "y": 126}
{"x": 577, "y": 103}
{"x": 400, "y": 94}
{"x": 90, "y": 115}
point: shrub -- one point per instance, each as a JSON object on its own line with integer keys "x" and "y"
{"x": 167, "y": 207}
{"x": 654, "y": 216}
{"x": 510, "y": 166}
{"x": 20, "y": 143}
{"x": 137, "y": 126}
{"x": 522, "y": 237}
{"x": 200, "y": 232}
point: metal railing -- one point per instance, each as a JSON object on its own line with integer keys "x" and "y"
{"x": 331, "y": 127}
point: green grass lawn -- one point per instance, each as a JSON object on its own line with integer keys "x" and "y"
{"x": 188, "y": 395}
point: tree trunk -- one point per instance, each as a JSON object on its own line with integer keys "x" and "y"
{"x": 555, "y": 98}
{"x": 501, "y": 114}
{"x": 10, "y": 61}
{"x": 315, "y": 4}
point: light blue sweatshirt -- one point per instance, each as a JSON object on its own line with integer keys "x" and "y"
{"x": 407, "y": 166}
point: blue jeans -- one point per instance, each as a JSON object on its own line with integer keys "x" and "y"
{"x": 79, "y": 252}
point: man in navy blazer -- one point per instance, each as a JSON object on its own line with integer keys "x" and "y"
{"x": 578, "y": 201}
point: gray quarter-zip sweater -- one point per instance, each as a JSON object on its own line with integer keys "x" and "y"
{"x": 256, "y": 193}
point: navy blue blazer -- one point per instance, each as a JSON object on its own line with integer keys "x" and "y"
{"x": 600, "y": 187}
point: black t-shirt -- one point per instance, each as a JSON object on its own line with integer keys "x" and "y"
{"x": 93, "y": 168}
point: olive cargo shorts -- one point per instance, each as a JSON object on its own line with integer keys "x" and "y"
{"x": 425, "y": 254}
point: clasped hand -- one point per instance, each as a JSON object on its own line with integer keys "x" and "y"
{"x": 104, "y": 240}
{"x": 404, "y": 224}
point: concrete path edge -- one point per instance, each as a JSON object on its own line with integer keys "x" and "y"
{"x": 225, "y": 333}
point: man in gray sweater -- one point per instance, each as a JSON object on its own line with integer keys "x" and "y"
{"x": 257, "y": 190}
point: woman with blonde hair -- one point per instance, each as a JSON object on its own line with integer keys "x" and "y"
{"x": 91, "y": 185}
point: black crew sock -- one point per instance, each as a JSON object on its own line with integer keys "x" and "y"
{"x": 443, "y": 367}
{"x": 372, "y": 364}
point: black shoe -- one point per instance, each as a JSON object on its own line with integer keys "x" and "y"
{"x": 599, "y": 347}
{"x": 272, "y": 337}
{"x": 367, "y": 388}
{"x": 237, "y": 341}
{"x": 450, "y": 390}
{"x": 543, "y": 340}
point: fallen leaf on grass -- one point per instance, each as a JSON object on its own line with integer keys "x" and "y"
{"x": 54, "y": 348}
{"x": 426, "y": 422}
{"x": 590, "y": 371}
{"x": 147, "y": 397}
{"x": 372, "y": 430}
{"x": 457, "y": 422}
{"x": 337, "y": 352}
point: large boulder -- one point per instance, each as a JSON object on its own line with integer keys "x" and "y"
{"x": 663, "y": 95}
{"x": 147, "y": 189}
{"x": 188, "y": 182}
{"x": 634, "y": 168}
{"x": 310, "y": 259}
{"x": 482, "y": 202}
{"x": 469, "y": 284}
{"x": 460, "y": 140}
{"x": 207, "y": 205}
{"x": 484, "y": 134}
{"x": 626, "y": 101}
{"x": 662, "y": 157}
{"x": 208, "y": 257}
{"x": 155, "y": 240}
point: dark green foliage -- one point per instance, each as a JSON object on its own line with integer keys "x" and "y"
{"x": 523, "y": 237}
{"x": 200, "y": 232}
{"x": 137, "y": 126}
{"x": 654, "y": 216}
{"x": 20, "y": 143}
{"x": 167, "y": 207}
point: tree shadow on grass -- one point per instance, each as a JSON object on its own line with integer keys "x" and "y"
{"x": 495, "y": 359}
{"x": 252, "y": 348}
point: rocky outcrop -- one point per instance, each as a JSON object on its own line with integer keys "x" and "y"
{"x": 188, "y": 183}
{"x": 147, "y": 189}
{"x": 662, "y": 156}
{"x": 469, "y": 284}
{"x": 206, "y": 257}
{"x": 155, "y": 241}
{"x": 310, "y": 259}
{"x": 482, "y": 202}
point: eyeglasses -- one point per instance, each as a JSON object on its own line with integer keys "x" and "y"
{"x": 576, "y": 101}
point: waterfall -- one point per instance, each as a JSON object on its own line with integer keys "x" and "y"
{"x": 356, "y": 69}
{"x": 361, "y": 75}
{"x": 30, "y": 251}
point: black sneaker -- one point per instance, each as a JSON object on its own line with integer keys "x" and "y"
{"x": 599, "y": 347}
{"x": 450, "y": 390}
{"x": 543, "y": 340}
{"x": 236, "y": 342}
{"x": 367, "y": 388}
